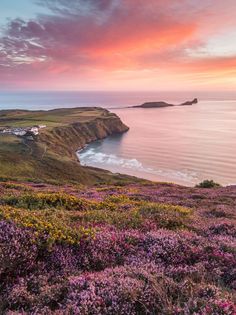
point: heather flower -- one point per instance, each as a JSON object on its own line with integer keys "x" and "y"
{"x": 135, "y": 249}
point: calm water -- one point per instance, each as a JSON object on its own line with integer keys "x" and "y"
{"x": 183, "y": 144}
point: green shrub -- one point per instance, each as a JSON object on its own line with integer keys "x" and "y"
{"x": 46, "y": 200}
{"x": 208, "y": 184}
{"x": 9, "y": 185}
{"x": 137, "y": 216}
{"x": 120, "y": 219}
{"x": 56, "y": 227}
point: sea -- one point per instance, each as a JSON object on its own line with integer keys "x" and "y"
{"x": 184, "y": 145}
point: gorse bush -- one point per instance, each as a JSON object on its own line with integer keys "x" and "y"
{"x": 208, "y": 184}
{"x": 16, "y": 186}
{"x": 117, "y": 210}
{"x": 45, "y": 223}
{"x": 46, "y": 200}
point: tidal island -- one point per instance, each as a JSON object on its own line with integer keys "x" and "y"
{"x": 161, "y": 104}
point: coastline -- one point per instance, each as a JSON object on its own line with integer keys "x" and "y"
{"x": 51, "y": 154}
{"x": 129, "y": 167}
{"x": 70, "y": 131}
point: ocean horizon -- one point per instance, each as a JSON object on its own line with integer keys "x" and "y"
{"x": 45, "y": 100}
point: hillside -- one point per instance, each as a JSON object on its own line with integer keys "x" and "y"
{"x": 146, "y": 248}
{"x": 50, "y": 155}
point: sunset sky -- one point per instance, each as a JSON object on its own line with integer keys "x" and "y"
{"x": 118, "y": 45}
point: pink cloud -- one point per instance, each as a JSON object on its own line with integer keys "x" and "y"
{"x": 81, "y": 38}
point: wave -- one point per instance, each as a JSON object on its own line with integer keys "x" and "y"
{"x": 90, "y": 157}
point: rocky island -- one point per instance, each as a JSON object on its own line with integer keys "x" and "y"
{"x": 161, "y": 104}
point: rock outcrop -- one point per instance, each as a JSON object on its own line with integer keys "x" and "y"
{"x": 194, "y": 101}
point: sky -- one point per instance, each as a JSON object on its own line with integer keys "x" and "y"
{"x": 133, "y": 45}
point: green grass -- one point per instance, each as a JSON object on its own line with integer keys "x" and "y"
{"x": 52, "y": 118}
{"x": 52, "y": 155}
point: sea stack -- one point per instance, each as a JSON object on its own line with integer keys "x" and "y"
{"x": 194, "y": 101}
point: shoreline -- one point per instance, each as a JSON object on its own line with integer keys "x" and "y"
{"x": 145, "y": 174}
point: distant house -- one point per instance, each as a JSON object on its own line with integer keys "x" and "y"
{"x": 34, "y": 130}
{"x": 28, "y": 132}
{"x": 6, "y": 130}
{"x": 20, "y": 133}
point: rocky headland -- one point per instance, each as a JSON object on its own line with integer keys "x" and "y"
{"x": 93, "y": 124}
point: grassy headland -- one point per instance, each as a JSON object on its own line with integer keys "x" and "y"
{"x": 51, "y": 155}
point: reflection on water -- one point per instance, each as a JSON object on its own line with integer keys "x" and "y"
{"x": 183, "y": 144}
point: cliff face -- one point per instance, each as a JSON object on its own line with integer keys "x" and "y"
{"x": 66, "y": 140}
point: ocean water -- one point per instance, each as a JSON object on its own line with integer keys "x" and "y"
{"x": 182, "y": 144}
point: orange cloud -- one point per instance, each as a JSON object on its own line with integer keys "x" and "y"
{"x": 129, "y": 42}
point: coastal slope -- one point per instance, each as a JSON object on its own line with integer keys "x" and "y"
{"x": 51, "y": 154}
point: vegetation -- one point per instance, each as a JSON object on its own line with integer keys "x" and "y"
{"x": 208, "y": 184}
{"x": 45, "y": 200}
{"x": 122, "y": 246}
{"x": 114, "y": 249}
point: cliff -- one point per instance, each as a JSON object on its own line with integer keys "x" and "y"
{"x": 66, "y": 140}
